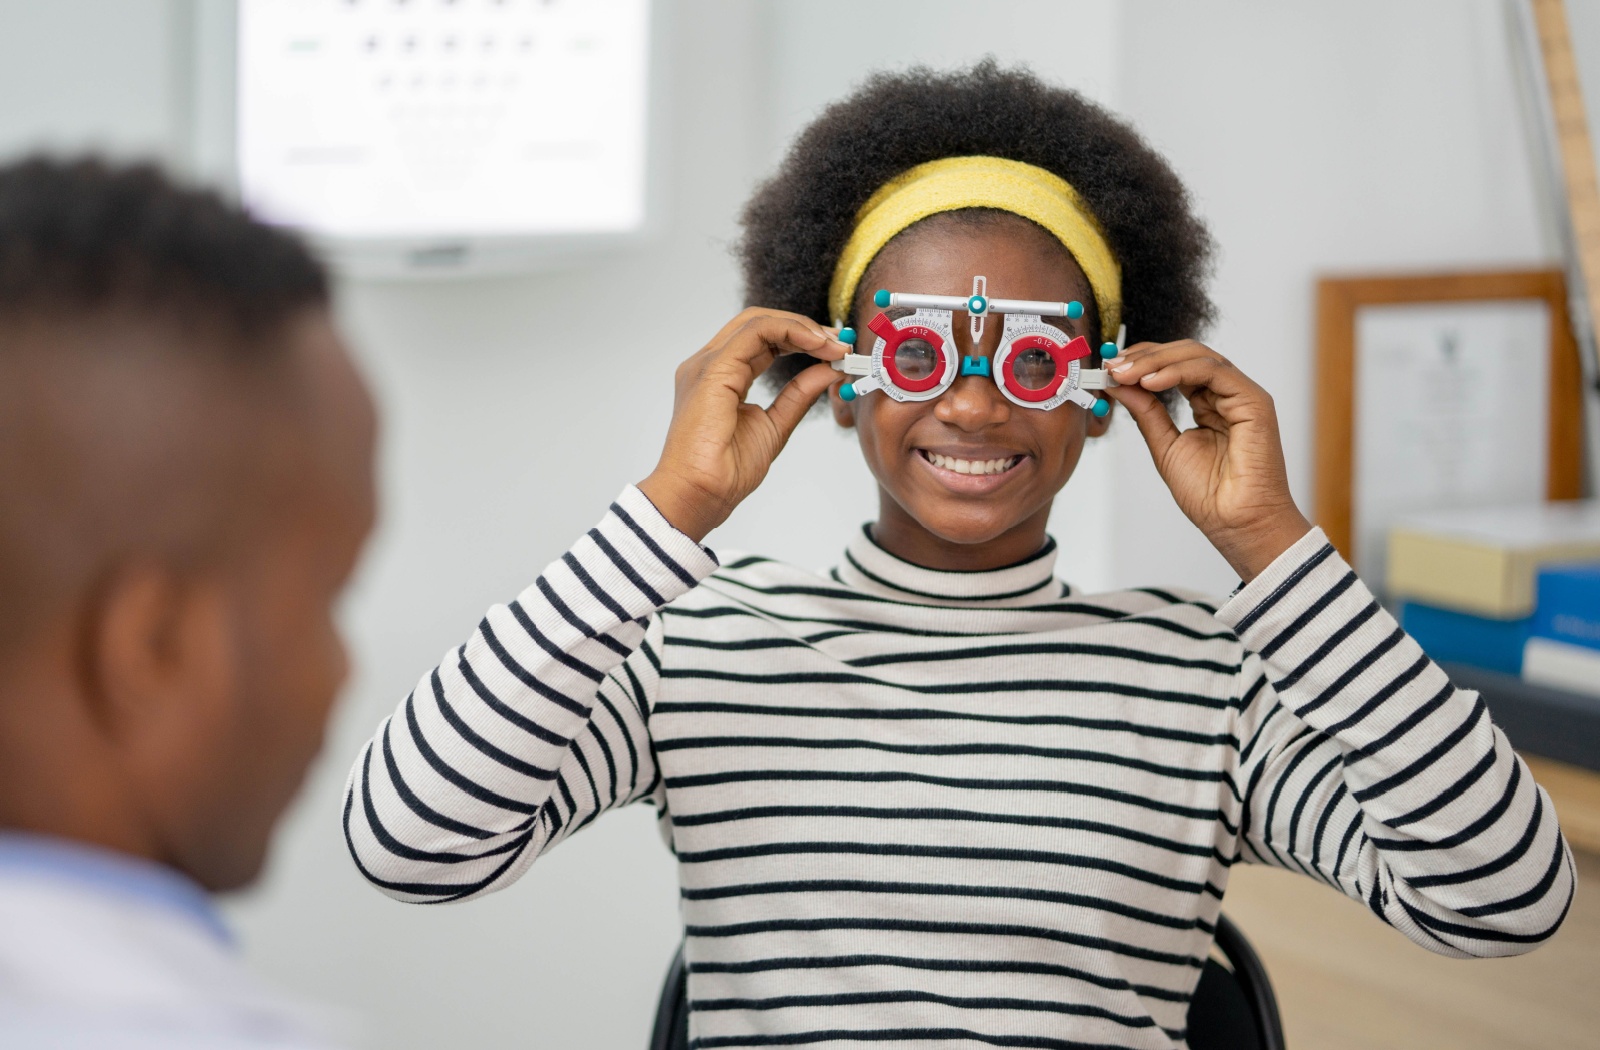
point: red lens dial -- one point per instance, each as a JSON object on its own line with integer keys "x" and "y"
{"x": 913, "y": 354}
{"x": 1028, "y": 377}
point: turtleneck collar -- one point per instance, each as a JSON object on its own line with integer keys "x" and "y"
{"x": 868, "y": 567}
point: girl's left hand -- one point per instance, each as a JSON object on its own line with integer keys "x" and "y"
{"x": 1227, "y": 472}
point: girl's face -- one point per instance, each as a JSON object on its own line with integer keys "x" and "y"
{"x": 928, "y": 513}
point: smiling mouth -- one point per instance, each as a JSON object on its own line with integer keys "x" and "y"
{"x": 979, "y": 467}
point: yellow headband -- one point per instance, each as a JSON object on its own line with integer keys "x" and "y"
{"x": 954, "y": 183}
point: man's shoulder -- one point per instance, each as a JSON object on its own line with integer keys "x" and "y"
{"x": 80, "y": 967}
{"x": 54, "y": 1029}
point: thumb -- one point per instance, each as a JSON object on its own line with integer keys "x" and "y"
{"x": 797, "y": 397}
{"x": 1150, "y": 414}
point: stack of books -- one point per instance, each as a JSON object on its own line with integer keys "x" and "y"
{"x": 1563, "y": 647}
{"x": 1511, "y": 589}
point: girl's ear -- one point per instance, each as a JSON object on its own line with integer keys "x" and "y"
{"x": 844, "y": 412}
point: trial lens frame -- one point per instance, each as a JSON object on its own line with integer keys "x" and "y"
{"x": 929, "y": 330}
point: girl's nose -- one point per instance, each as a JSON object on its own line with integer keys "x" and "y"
{"x": 972, "y": 403}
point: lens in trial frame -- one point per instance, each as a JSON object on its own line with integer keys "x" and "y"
{"x": 1034, "y": 369}
{"x": 916, "y": 359}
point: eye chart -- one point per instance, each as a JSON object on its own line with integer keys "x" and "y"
{"x": 422, "y": 118}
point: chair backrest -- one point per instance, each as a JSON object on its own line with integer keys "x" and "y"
{"x": 672, "y": 1012}
{"x": 1233, "y": 1006}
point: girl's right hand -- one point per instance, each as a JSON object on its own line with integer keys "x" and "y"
{"x": 719, "y": 446}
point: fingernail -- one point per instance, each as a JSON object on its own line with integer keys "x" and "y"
{"x": 1122, "y": 367}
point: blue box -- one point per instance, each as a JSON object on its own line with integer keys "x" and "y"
{"x": 1457, "y": 637}
{"x": 1569, "y": 604}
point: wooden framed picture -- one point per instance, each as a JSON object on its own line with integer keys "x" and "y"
{"x": 1437, "y": 391}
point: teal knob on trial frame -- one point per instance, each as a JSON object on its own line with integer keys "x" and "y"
{"x": 1101, "y": 407}
{"x": 1074, "y": 309}
{"x": 847, "y": 392}
{"x": 1109, "y": 350}
{"x": 881, "y": 298}
{"x": 847, "y": 336}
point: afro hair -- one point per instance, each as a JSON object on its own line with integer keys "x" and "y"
{"x": 797, "y": 223}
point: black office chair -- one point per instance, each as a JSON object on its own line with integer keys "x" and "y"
{"x": 1233, "y": 1006}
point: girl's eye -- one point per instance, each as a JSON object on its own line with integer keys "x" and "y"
{"x": 916, "y": 359}
{"x": 1035, "y": 369}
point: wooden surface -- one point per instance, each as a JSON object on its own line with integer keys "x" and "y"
{"x": 1576, "y": 794}
{"x": 1572, "y": 140}
{"x": 1338, "y": 299}
{"x": 1346, "y": 981}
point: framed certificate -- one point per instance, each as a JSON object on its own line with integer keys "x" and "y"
{"x": 1440, "y": 391}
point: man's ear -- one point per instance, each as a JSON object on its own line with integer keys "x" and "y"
{"x": 159, "y": 654}
{"x": 844, "y": 412}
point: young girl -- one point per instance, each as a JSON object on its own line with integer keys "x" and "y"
{"x": 938, "y": 796}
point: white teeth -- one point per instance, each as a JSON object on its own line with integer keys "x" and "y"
{"x": 972, "y": 466}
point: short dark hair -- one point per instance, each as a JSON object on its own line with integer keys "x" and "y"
{"x": 82, "y": 236}
{"x": 797, "y": 223}
{"x": 110, "y": 264}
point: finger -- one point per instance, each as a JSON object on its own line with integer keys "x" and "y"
{"x": 1138, "y": 350}
{"x": 1145, "y": 358}
{"x": 1133, "y": 351}
{"x": 1150, "y": 416}
{"x": 756, "y": 346}
{"x": 740, "y": 370}
{"x": 744, "y": 317}
{"x": 1190, "y": 366}
{"x": 797, "y": 397}
{"x": 730, "y": 370}
{"x": 1215, "y": 374}
{"x": 1203, "y": 406}
{"x": 764, "y": 335}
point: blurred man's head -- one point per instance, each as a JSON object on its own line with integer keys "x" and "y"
{"x": 185, "y": 484}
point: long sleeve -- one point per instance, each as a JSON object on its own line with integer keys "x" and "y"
{"x": 533, "y": 727}
{"x": 1363, "y": 766}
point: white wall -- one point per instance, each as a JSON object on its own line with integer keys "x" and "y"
{"x": 1583, "y": 24}
{"x": 1315, "y": 137}
{"x": 76, "y": 73}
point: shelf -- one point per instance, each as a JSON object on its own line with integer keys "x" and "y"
{"x": 1558, "y": 735}
{"x": 1537, "y": 719}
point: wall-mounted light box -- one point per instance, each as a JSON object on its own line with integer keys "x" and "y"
{"x": 428, "y": 136}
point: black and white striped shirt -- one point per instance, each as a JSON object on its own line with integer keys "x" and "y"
{"x": 913, "y": 807}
